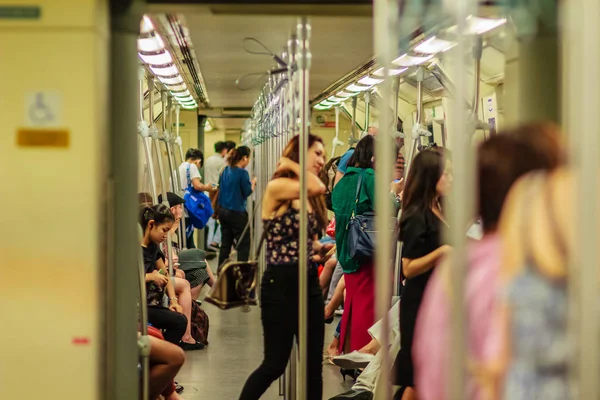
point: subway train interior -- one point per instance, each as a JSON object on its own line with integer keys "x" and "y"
{"x": 193, "y": 210}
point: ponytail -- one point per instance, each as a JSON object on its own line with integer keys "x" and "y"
{"x": 236, "y": 155}
{"x": 159, "y": 213}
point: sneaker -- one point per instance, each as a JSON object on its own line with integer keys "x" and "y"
{"x": 353, "y": 360}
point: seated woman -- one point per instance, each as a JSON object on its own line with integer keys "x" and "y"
{"x": 166, "y": 360}
{"x": 156, "y": 221}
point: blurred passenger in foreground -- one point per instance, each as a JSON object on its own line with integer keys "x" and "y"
{"x": 501, "y": 161}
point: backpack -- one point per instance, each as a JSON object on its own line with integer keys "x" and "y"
{"x": 199, "y": 325}
{"x": 197, "y": 204}
{"x": 327, "y": 176}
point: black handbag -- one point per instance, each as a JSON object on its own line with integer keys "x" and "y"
{"x": 236, "y": 282}
{"x": 361, "y": 230}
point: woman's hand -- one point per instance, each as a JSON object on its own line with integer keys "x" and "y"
{"x": 321, "y": 251}
{"x": 285, "y": 164}
{"x": 175, "y": 226}
{"x": 174, "y": 306}
{"x": 397, "y": 187}
{"x": 158, "y": 278}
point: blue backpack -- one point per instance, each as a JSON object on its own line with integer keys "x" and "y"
{"x": 197, "y": 204}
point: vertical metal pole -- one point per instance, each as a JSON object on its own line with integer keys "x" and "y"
{"x": 180, "y": 147}
{"x": 143, "y": 130}
{"x": 119, "y": 295}
{"x": 158, "y": 153}
{"x": 144, "y": 340}
{"x": 167, "y": 139}
{"x": 337, "y": 129}
{"x": 354, "y": 103}
{"x": 290, "y": 128}
{"x": 304, "y": 62}
{"x": 367, "y": 111}
{"x": 415, "y": 134}
{"x": 386, "y": 14}
{"x": 581, "y": 101}
{"x": 462, "y": 193}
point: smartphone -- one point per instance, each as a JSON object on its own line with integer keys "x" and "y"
{"x": 397, "y": 180}
{"x": 215, "y": 185}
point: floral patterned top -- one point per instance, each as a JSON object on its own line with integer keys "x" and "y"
{"x": 283, "y": 234}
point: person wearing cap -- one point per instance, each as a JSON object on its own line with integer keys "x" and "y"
{"x": 183, "y": 288}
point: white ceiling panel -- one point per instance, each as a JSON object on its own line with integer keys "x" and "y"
{"x": 338, "y": 45}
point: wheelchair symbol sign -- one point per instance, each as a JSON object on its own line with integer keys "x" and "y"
{"x": 43, "y": 109}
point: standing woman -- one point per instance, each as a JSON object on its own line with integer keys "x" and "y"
{"x": 355, "y": 193}
{"x": 428, "y": 181}
{"x": 235, "y": 187}
{"x": 279, "y": 288}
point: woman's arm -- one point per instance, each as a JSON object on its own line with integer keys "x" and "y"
{"x": 174, "y": 306}
{"x": 417, "y": 266}
{"x": 283, "y": 189}
{"x": 247, "y": 184}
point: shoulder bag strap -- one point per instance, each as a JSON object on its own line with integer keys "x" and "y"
{"x": 189, "y": 180}
{"x": 358, "y": 186}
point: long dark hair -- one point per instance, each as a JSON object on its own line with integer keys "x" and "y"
{"x": 420, "y": 191}
{"x": 292, "y": 151}
{"x": 158, "y": 213}
{"x": 238, "y": 153}
{"x": 363, "y": 154}
{"x": 504, "y": 158}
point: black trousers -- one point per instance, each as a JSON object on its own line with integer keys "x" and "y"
{"x": 173, "y": 323}
{"x": 279, "y": 312}
{"x": 232, "y": 226}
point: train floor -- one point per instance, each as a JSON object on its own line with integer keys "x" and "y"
{"x": 236, "y": 346}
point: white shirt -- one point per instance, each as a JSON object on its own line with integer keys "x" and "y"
{"x": 194, "y": 173}
{"x": 212, "y": 168}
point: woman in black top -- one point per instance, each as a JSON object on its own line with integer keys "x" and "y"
{"x": 156, "y": 221}
{"x": 428, "y": 181}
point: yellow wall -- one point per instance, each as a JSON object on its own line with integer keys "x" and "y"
{"x": 210, "y": 139}
{"x": 188, "y": 132}
{"x": 52, "y": 252}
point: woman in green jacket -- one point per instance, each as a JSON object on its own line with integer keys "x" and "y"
{"x": 348, "y": 197}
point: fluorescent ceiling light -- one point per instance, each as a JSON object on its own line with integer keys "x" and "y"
{"x": 370, "y": 81}
{"x": 151, "y": 44}
{"x": 322, "y": 107}
{"x": 335, "y": 99}
{"x": 146, "y": 25}
{"x": 182, "y": 94}
{"x": 327, "y": 103}
{"x": 345, "y": 95}
{"x": 477, "y": 26}
{"x": 171, "y": 81}
{"x": 357, "y": 88}
{"x": 391, "y": 71}
{"x": 434, "y": 45}
{"x": 185, "y": 99}
{"x": 165, "y": 71}
{"x": 410, "y": 61}
{"x": 175, "y": 88}
{"x": 161, "y": 58}
{"x": 189, "y": 107}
